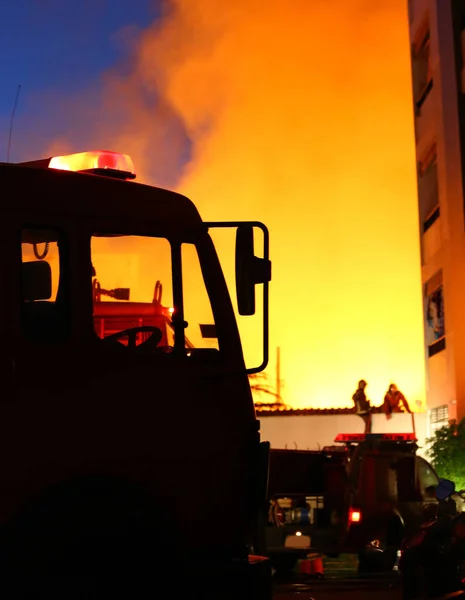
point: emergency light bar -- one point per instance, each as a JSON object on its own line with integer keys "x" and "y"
{"x": 96, "y": 162}
{"x": 378, "y": 437}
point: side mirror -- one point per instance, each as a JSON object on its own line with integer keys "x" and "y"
{"x": 445, "y": 489}
{"x": 250, "y": 270}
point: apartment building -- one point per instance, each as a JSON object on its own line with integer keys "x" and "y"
{"x": 437, "y": 35}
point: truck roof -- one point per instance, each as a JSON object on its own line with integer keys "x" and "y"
{"x": 82, "y": 194}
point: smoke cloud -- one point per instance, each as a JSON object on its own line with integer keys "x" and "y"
{"x": 299, "y": 114}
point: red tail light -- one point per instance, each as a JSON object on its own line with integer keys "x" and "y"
{"x": 355, "y": 515}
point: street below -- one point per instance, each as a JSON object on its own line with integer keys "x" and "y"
{"x": 340, "y": 581}
{"x": 342, "y": 589}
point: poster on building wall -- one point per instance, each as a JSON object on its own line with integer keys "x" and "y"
{"x": 435, "y": 315}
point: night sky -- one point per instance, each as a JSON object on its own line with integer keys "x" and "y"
{"x": 55, "y": 49}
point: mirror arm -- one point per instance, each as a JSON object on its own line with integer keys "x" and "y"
{"x": 265, "y": 270}
{"x": 261, "y": 270}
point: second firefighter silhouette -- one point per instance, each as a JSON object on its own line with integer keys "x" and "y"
{"x": 395, "y": 401}
{"x": 362, "y": 405}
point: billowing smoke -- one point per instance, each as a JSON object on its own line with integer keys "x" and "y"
{"x": 299, "y": 114}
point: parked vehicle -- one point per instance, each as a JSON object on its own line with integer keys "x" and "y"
{"x": 361, "y": 496}
{"x": 432, "y": 563}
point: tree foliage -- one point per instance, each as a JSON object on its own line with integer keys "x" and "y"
{"x": 260, "y": 384}
{"x": 446, "y": 450}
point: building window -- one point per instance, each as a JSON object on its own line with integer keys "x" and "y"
{"x": 435, "y": 313}
{"x": 436, "y": 347}
{"x": 438, "y": 417}
{"x": 422, "y": 70}
{"x": 433, "y": 217}
{"x": 428, "y": 189}
{"x": 434, "y": 322}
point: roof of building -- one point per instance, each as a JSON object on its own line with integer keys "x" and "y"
{"x": 281, "y": 410}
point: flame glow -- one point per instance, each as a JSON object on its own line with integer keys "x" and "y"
{"x": 300, "y": 114}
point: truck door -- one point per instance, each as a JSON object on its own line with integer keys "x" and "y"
{"x": 416, "y": 481}
{"x": 427, "y": 483}
{"x": 44, "y": 365}
{"x": 408, "y": 493}
{"x": 45, "y": 359}
{"x": 376, "y": 486}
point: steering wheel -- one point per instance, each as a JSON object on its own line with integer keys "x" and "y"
{"x": 150, "y": 344}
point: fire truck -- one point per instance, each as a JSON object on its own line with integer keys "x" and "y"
{"x": 361, "y": 495}
{"x": 111, "y": 318}
{"x": 130, "y": 452}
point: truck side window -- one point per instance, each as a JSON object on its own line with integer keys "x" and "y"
{"x": 43, "y": 314}
{"x": 407, "y": 488}
{"x": 201, "y": 329}
{"x": 427, "y": 479}
{"x": 132, "y": 287}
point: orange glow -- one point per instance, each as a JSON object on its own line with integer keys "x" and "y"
{"x": 300, "y": 115}
{"x": 100, "y": 159}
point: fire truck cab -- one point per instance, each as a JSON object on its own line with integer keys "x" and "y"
{"x": 129, "y": 442}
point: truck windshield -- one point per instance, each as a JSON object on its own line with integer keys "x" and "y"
{"x": 133, "y": 288}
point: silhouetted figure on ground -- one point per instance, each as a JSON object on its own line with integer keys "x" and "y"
{"x": 362, "y": 405}
{"x": 395, "y": 401}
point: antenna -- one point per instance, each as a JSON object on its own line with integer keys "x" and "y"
{"x": 278, "y": 375}
{"x": 11, "y": 123}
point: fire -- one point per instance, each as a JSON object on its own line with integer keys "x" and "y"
{"x": 298, "y": 114}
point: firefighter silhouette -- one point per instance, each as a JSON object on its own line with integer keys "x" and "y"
{"x": 395, "y": 401}
{"x": 362, "y": 405}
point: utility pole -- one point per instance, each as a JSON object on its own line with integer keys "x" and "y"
{"x": 278, "y": 375}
